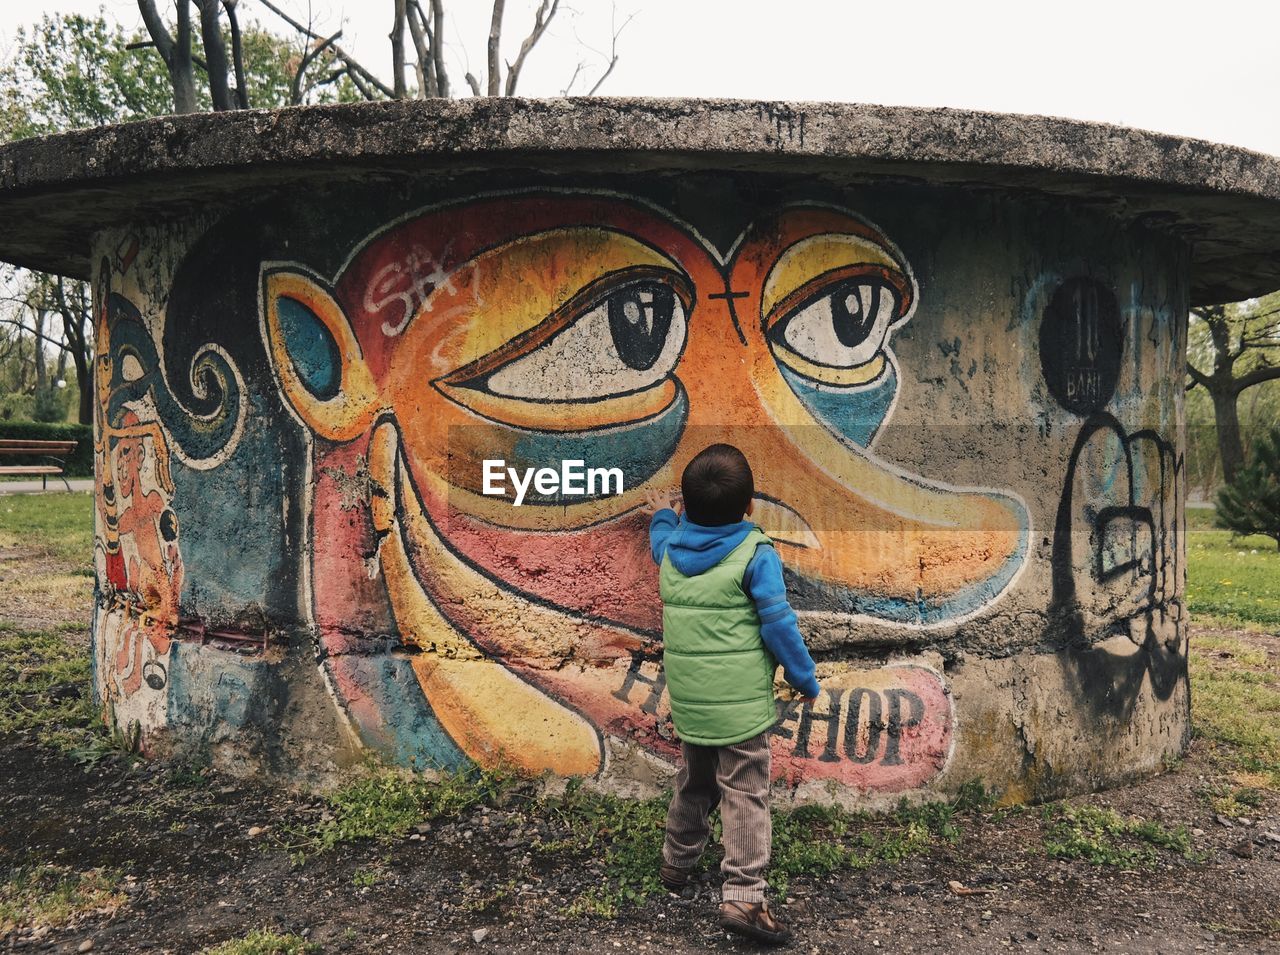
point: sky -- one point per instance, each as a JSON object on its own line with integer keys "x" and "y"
{"x": 1193, "y": 69}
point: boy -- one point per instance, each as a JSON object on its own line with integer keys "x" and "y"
{"x": 726, "y": 625}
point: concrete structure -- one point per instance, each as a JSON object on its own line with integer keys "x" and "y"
{"x": 950, "y": 343}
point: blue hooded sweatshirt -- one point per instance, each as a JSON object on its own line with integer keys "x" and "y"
{"x": 694, "y": 549}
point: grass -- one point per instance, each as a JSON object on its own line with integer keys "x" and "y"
{"x": 624, "y": 834}
{"x": 263, "y": 941}
{"x": 384, "y": 804}
{"x": 49, "y": 896}
{"x": 366, "y": 878}
{"x": 1236, "y": 708}
{"x": 48, "y": 572}
{"x": 1232, "y": 582}
{"x": 810, "y": 841}
{"x": 1103, "y": 837}
{"x": 56, "y": 525}
{"x": 1232, "y": 800}
{"x": 44, "y": 686}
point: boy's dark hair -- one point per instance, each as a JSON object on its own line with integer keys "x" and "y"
{"x": 717, "y": 486}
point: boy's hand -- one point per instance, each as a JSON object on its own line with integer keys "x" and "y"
{"x": 807, "y": 700}
{"x": 656, "y": 500}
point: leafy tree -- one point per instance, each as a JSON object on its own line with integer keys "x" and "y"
{"x": 48, "y": 407}
{"x": 1251, "y": 503}
{"x": 1233, "y": 348}
{"x": 72, "y": 71}
{"x": 1258, "y": 408}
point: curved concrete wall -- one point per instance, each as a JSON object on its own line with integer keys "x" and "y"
{"x": 963, "y": 408}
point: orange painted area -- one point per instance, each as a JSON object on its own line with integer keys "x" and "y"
{"x": 586, "y": 322}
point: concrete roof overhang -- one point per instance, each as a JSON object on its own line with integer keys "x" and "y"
{"x": 56, "y": 192}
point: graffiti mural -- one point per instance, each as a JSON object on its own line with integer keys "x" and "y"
{"x": 534, "y": 328}
{"x": 1116, "y": 564}
{"x": 138, "y": 552}
{"x": 298, "y": 555}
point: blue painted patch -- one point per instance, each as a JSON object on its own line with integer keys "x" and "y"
{"x": 311, "y": 347}
{"x": 409, "y": 733}
{"x": 234, "y": 543}
{"x": 854, "y": 413}
{"x": 638, "y": 449}
{"x": 210, "y": 691}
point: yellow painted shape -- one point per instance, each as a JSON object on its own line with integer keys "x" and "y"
{"x": 347, "y": 414}
{"x": 498, "y": 719}
{"x": 518, "y": 286}
{"x": 815, "y": 256}
{"x": 564, "y": 415}
{"x": 493, "y": 715}
{"x": 829, "y": 374}
{"x": 530, "y": 631}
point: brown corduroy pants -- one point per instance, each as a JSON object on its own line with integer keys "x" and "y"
{"x": 736, "y": 778}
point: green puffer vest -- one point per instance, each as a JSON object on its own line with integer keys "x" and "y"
{"x": 719, "y": 672}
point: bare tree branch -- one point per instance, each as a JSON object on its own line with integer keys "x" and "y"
{"x": 474, "y": 84}
{"x": 354, "y": 67}
{"x": 541, "y": 20}
{"x": 613, "y": 55}
{"x": 1257, "y": 376}
{"x": 359, "y": 83}
{"x": 495, "y": 41}
{"x": 174, "y": 50}
{"x": 215, "y": 52}
{"x": 149, "y": 45}
{"x": 296, "y": 92}
{"x": 237, "y": 53}
{"x": 36, "y": 332}
{"x": 437, "y": 46}
{"x": 159, "y": 33}
{"x": 577, "y": 71}
{"x": 613, "y": 61}
{"x": 424, "y": 64}
{"x": 77, "y": 329}
{"x": 397, "y": 49}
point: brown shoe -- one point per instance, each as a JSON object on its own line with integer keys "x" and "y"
{"x": 673, "y": 877}
{"x": 754, "y": 920}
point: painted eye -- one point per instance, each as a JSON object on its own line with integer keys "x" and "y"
{"x": 623, "y": 341}
{"x": 640, "y": 317}
{"x": 843, "y": 325}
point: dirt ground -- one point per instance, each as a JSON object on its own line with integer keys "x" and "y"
{"x": 195, "y": 876}
{"x": 202, "y": 858}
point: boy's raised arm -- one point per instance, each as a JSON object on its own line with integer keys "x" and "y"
{"x": 660, "y": 529}
{"x": 778, "y": 627}
{"x": 661, "y": 504}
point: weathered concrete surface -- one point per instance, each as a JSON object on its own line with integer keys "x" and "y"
{"x": 963, "y": 404}
{"x": 1226, "y": 201}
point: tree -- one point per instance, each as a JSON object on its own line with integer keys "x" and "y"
{"x": 222, "y": 53}
{"x": 1250, "y": 504}
{"x": 1238, "y": 345}
{"x": 242, "y": 67}
{"x": 71, "y": 71}
{"x": 424, "y": 22}
{"x": 54, "y": 314}
{"x": 68, "y": 72}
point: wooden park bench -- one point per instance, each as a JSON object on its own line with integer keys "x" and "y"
{"x": 55, "y": 452}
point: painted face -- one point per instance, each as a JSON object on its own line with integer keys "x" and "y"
{"x": 540, "y": 328}
{"x": 141, "y": 566}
